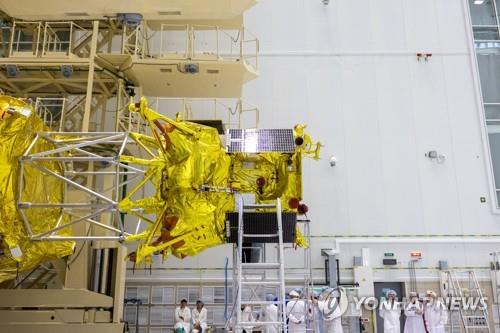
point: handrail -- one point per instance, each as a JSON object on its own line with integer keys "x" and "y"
{"x": 46, "y": 37}
{"x": 241, "y": 45}
{"x": 218, "y": 109}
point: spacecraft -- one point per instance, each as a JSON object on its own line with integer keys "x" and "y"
{"x": 169, "y": 190}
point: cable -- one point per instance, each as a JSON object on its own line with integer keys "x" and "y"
{"x": 79, "y": 252}
{"x": 232, "y": 308}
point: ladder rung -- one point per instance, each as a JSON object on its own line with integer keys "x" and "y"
{"x": 261, "y": 265}
{"x": 260, "y": 323}
{"x": 256, "y": 206}
{"x": 261, "y": 283}
{"x": 260, "y": 235}
{"x": 260, "y": 302}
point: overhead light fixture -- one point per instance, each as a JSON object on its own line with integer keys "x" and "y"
{"x": 478, "y": 2}
{"x": 129, "y": 19}
{"x": 67, "y": 71}
{"x": 170, "y": 12}
{"x": 77, "y": 14}
{"x": 11, "y": 70}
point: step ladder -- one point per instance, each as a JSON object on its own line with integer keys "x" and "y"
{"x": 251, "y": 279}
{"x": 475, "y": 318}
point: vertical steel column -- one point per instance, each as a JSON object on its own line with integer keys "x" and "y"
{"x": 282, "y": 263}
{"x": 240, "y": 260}
{"x": 90, "y": 78}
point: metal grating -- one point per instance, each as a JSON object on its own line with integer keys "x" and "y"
{"x": 260, "y": 140}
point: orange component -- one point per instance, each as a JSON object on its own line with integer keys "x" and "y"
{"x": 178, "y": 244}
{"x": 132, "y": 257}
{"x": 4, "y": 114}
{"x": 293, "y": 203}
{"x": 170, "y": 222}
{"x": 260, "y": 182}
{"x": 169, "y": 128}
{"x": 164, "y": 132}
{"x": 302, "y": 209}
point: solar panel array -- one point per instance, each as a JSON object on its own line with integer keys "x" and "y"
{"x": 260, "y": 140}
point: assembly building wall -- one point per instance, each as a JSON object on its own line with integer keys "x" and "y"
{"x": 350, "y": 71}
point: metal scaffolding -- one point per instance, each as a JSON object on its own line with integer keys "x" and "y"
{"x": 93, "y": 178}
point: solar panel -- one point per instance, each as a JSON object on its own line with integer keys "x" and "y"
{"x": 261, "y": 224}
{"x": 260, "y": 140}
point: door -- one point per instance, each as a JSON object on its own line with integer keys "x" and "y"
{"x": 380, "y": 288}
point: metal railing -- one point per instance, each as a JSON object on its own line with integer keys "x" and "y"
{"x": 63, "y": 38}
{"x": 5, "y": 33}
{"x": 133, "y": 40}
{"x": 41, "y": 39}
{"x": 174, "y": 41}
{"x": 52, "y": 111}
{"x": 25, "y": 38}
{"x": 197, "y": 42}
{"x": 232, "y": 112}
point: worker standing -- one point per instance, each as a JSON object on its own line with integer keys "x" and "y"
{"x": 199, "y": 316}
{"x": 435, "y": 314}
{"x": 182, "y": 318}
{"x": 316, "y": 314}
{"x": 270, "y": 314}
{"x": 413, "y": 311}
{"x": 331, "y": 313}
{"x": 390, "y": 311}
{"x": 247, "y": 317}
{"x": 296, "y": 312}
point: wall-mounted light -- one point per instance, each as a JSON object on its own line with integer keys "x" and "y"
{"x": 478, "y": 2}
{"x": 434, "y": 155}
{"x": 333, "y": 161}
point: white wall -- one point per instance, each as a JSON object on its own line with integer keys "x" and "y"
{"x": 349, "y": 70}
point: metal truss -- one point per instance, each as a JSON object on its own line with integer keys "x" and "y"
{"x": 93, "y": 177}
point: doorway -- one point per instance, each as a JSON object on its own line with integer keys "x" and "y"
{"x": 380, "y": 288}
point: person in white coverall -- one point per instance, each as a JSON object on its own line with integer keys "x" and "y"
{"x": 182, "y": 318}
{"x": 247, "y": 317}
{"x": 269, "y": 313}
{"x": 316, "y": 314}
{"x": 296, "y": 312}
{"x": 390, "y": 311}
{"x": 413, "y": 311}
{"x": 435, "y": 314}
{"x": 199, "y": 317}
{"x": 331, "y": 313}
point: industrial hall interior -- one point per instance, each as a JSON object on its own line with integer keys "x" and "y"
{"x": 250, "y": 166}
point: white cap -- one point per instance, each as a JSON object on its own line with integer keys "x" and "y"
{"x": 293, "y": 293}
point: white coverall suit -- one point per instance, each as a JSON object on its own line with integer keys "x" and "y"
{"x": 247, "y": 316}
{"x": 296, "y": 312}
{"x": 185, "y": 321}
{"x": 270, "y": 314}
{"x": 436, "y": 317}
{"x": 200, "y": 318}
{"x": 414, "y": 322}
{"x": 330, "y": 311}
{"x": 390, "y": 312}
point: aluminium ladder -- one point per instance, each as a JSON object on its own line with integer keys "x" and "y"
{"x": 243, "y": 272}
{"x": 474, "y": 319}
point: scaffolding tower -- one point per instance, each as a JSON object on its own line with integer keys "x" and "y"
{"x": 464, "y": 286}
